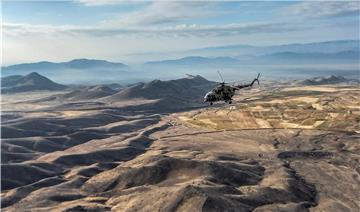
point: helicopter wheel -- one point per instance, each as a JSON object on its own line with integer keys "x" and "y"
{"x": 230, "y": 102}
{"x": 211, "y": 103}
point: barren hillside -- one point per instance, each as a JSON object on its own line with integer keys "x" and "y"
{"x": 278, "y": 148}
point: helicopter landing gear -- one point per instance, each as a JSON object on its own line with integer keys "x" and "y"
{"x": 228, "y": 100}
{"x": 211, "y": 103}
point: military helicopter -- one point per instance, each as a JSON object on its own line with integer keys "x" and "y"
{"x": 225, "y": 92}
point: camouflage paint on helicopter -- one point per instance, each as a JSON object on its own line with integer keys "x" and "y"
{"x": 225, "y": 92}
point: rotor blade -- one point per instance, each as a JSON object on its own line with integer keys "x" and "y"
{"x": 221, "y": 77}
{"x": 257, "y": 78}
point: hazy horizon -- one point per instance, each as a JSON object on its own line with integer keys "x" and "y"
{"x": 172, "y": 55}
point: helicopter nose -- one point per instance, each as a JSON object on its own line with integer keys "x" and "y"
{"x": 206, "y": 99}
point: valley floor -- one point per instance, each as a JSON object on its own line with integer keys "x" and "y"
{"x": 276, "y": 149}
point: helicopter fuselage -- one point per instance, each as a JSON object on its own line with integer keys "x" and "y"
{"x": 220, "y": 93}
{"x": 225, "y": 92}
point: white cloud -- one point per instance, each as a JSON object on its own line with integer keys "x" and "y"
{"x": 324, "y": 9}
{"x": 164, "y": 12}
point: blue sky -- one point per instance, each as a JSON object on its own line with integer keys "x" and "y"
{"x": 119, "y": 30}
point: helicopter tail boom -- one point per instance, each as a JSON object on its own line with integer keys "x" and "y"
{"x": 249, "y": 85}
{"x": 256, "y": 80}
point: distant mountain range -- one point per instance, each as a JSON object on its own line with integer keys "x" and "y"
{"x": 310, "y": 57}
{"x": 74, "y": 71}
{"x": 241, "y": 50}
{"x": 197, "y": 61}
{"x": 274, "y": 58}
{"x": 73, "y": 64}
{"x": 327, "y": 80}
{"x": 30, "y": 82}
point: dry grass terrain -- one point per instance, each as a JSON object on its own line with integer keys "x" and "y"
{"x": 277, "y": 148}
{"x": 309, "y": 107}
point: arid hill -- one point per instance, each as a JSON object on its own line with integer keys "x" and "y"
{"x": 30, "y": 82}
{"x": 167, "y": 95}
